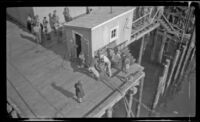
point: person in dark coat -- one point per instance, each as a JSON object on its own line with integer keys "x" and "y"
{"x": 29, "y": 20}
{"x": 79, "y": 91}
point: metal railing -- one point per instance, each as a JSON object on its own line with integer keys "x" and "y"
{"x": 140, "y": 23}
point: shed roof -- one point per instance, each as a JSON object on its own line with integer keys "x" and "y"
{"x": 98, "y": 16}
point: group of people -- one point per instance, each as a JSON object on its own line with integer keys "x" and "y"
{"x": 104, "y": 63}
{"x": 41, "y": 29}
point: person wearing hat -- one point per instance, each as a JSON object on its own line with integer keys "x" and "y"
{"x": 79, "y": 91}
{"x": 67, "y": 15}
{"x": 107, "y": 63}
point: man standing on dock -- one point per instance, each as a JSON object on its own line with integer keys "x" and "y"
{"x": 108, "y": 64}
{"x": 79, "y": 91}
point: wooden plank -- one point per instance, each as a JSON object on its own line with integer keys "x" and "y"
{"x": 38, "y": 104}
{"x": 25, "y": 109}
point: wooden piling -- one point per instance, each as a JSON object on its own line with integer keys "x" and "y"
{"x": 191, "y": 45}
{"x": 180, "y": 62}
{"x": 141, "y": 50}
{"x": 162, "y": 48}
{"x": 130, "y": 105}
{"x": 109, "y": 112}
{"x": 140, "y": 97}
{"x": 162, "y": 83}
{"x": 173, "y": 66}
{"x": 133, "y": 92}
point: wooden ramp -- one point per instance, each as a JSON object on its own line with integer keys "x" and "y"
{"x": 40, "y": 87}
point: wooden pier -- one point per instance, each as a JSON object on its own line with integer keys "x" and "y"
{"x": 43, "y": 86}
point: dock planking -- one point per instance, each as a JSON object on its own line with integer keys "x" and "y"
{"x": 33, "y": 74}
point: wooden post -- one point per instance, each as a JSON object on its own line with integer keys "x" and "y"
{"x": 180, "y": 62}
{"x": 191, "y": 45}
{"x": 154, "y": 45}
{"x": 162, "y": 48}
{"x": 162, "y": 83}
{"x": 141, "y": 50}
{"x": 140, "y": 97}
{"x": 109, "y": 112}
{"x": 133, "y": 92}
{"x": 130, "y": 105}
{"x": 173, "y": 67}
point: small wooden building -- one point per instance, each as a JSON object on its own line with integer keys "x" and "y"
{"x": 106, "y": 27}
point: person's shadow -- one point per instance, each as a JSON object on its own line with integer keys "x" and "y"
{"x": 68, "y": 94}
{"x": 28, "y": 38}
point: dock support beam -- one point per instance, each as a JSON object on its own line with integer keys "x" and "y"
{"x": 190, "y": 47}
{"x": 141, "y": 50}
{"x": 173, "y": 66}
{"x": 109, "y": 112}
{"x": 180, "y": 62}
{"x": 154, "y": 45}
{"x": 162, "y": 47}
{"x": 162, "y": 83}
{"x": 140, "y": 97}
{"x": 133, "y": 92}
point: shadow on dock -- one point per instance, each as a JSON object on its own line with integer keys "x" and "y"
{"x": 65, "y": 92}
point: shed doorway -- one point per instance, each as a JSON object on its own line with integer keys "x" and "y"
{"x": 78, "y": 44}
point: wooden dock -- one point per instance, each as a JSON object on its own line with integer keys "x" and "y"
{"x": 40, "y": 87}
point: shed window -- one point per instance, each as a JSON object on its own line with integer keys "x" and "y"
{"x": 114, "y": 34}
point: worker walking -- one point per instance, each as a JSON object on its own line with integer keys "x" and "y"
{"x": 107, "y": 63}
{"x": 79, "y": 91}
{"x": 29, "y": 22}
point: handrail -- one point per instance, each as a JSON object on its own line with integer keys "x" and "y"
{"x": 168, "y": 22}
{"x": 140, "y": 18}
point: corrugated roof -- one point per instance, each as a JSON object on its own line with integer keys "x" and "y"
{"x": 98, "y": 16}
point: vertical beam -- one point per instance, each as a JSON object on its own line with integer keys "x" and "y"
{"x": 133, "y": 92}
{"x": 166, "y": 70}
{"x": 109, "y": 112}
{"x": 162, "y": 83}
{"x": 130, "y": 105}
{"x": 191, "y": 45}
{"x": 154, "y": 45}
{"x": 140, "y": 97}
{"x": 181, "y": 60}
{"x": 173, "y": 67}
{"x": 141, "y": 50}
{"x": 162, "y": 47}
